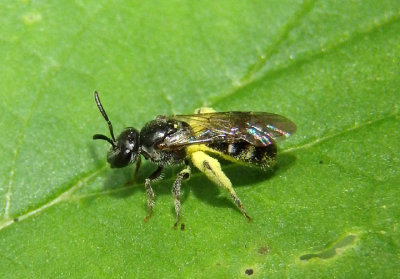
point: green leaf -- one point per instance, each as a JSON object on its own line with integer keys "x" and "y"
{"x": 329, "y": 209}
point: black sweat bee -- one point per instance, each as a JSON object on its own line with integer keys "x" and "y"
{"x": 244, "y": 137}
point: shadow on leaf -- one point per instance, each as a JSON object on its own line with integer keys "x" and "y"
{"x": 203, "y": 188}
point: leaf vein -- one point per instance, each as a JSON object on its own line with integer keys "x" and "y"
{"x": 64, "y": 56}
{"x": 325, "y": 138}
{"x": 255, "y": 68}
{"x": 264, "y": 57}
{"x": 311, "y": 56}
{"x": 60, "y": 198}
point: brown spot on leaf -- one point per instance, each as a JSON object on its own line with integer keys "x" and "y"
{"x": 263, "y": 250}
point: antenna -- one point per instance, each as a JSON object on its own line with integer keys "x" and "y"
{"x": 103, "y": 112}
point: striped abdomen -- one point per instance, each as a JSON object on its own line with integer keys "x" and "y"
{"x": 262, "y": 156}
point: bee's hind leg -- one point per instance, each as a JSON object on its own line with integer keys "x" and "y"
{"x": 212, "y": 169}
{"x": 203, "y": 110}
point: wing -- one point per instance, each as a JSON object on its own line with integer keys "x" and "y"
{"x": 257, "y": 128}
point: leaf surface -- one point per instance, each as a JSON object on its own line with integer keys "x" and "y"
{"x": 329, "y": 209}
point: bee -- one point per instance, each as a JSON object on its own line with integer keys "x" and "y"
{"x": 241, "y": 137}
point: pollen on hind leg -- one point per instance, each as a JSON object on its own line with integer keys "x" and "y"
{"x": 212, "y": 169}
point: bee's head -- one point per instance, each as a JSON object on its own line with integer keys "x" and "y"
{"x": 125, "y": 149}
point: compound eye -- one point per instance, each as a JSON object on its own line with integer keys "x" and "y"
{"x": 126, "y": 149}
{"x": 119, "y": 158}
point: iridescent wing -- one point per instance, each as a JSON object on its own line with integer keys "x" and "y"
{"x": 257, "y": 128}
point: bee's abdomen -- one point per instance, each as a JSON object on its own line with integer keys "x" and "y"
{"x": 262, "y": 156}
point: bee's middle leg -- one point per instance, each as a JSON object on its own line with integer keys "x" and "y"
{"x": 150, "y": 192}
{"x": 176, "y": 190}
